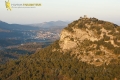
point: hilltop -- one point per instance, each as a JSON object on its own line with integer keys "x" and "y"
{"x": 91, "y": 40}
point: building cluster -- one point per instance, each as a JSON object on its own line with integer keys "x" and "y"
{"x": 47, "y": 35}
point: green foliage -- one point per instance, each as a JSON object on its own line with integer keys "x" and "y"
{"x": 81, "y": 25}
{"x": 116, "y": 42}
{"x": 106, "y": 38}
{"x": 72, "y": 39}
{"x": 117, "y": 50}
{"x": 92, "y": 27}
{"x": 69, "y": 29}
{"x": 116, "y": 34}
{"x": 87, "y": 42}
{"x": 48, "y": 65}
{"x": 55, "y": 45}
{"x": 98, "y": 52}
{"x": 99, "y": 32}
{"x": 118, "y": 37}
{"x": 109, "y": 26}
{"x": 16, "y": 52}
{"x": 100, "y": 22}
{"x": 94, "y": 19}
{"x": 118, "y": 28}
{"x": 108, "y": 45}
{"x": 98, "y": 28}
{"x": 100, "y": 42}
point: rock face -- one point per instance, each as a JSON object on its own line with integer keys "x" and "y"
{"x": 70, "y": 40}
{"x": 91, "y": 40}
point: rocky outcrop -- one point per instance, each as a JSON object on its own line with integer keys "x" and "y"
{"x": 70, "y": 40}
{"x": 91, "y": 40}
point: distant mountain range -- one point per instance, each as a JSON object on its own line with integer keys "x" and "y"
{"x": 6, "y": 26}
{"x": 51, "y": 24}
{"x": 37, "y": 26}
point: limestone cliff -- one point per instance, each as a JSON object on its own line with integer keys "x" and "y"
{"x": 91, "y": 40}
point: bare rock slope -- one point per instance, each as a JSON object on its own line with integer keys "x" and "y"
{"x": 91, "y": 40}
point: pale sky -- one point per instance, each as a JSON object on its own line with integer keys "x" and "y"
{"x": 66, "y": 10}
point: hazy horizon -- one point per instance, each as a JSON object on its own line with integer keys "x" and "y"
{"x": 64, "y": 10}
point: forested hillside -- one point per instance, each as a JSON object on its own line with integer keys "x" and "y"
{"x": 88, "y": 49}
